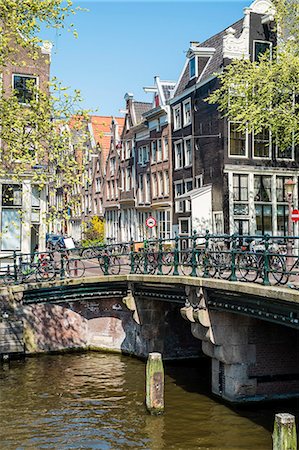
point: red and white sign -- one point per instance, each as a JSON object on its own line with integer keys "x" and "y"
{"x": 295, "y": 215}
{"x": 150, "y": 222}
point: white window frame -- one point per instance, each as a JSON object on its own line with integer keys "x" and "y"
{"x": 36, "y": 77}
{"x": 260, "y": 41}
{"x": 176, "y": 143}
{"x": 197, "y": 178}
{"x": 165, "y": 155}
{"x": 179, "y": 206}
{"x": 185, "y": 184}
{"x": 186, "y": 102}
{"x": 166, "y": 183}
{"x": 155, "y": 184}
{"x": 175, "y": 183}
{"x": 174, "y": 109}
{"x": 246, "y": 143}
{"x": 159, "y": 149}
{"x": 196, "y": 67}
{"x": 180, "y": 225}
{"x": 286, "y": 159}
{"x": 160, "y": 184}
{"x": 189, "y": 138}
{"x": 154, "y": 145}
{"x": 270, "y": 147}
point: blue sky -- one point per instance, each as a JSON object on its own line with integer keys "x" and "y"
{"x": 122, "y": 45}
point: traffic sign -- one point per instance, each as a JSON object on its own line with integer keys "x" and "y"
{"x": 295, "y": 215}
{"x": 150, "y": 222}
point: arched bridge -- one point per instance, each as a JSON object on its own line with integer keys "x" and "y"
{"x": 249, "y": 331}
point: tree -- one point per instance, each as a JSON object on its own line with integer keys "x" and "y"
{"x": 37, "y": 131}
{"x": 263, "y": 95}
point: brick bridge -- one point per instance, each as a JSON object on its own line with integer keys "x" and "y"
{"x": 250, "y": 331}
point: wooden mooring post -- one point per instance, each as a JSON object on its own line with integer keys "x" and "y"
{"x": 284, "y": 434}
{"x": 155, "y": 384}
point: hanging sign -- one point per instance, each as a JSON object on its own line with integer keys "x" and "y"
{"x": 150, "y": 222}
{"x": 295, "y": 215}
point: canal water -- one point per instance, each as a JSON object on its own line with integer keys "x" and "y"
{"x": 96, "y": 401}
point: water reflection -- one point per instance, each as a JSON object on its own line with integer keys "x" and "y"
{"x": 96, "y": 401}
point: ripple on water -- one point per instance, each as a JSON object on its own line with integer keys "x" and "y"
{"x": 96, "y": 401}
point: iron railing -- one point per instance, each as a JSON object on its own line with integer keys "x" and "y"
{"x": 259, "y": 259}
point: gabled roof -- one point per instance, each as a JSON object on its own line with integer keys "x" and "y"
{"x": 101, "y": 128}
{"x": 139, "y": 109}
{"x": 209, "y": 65}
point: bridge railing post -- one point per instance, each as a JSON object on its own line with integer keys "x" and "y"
{"x": 233, "y": 258}
{"x": 206, "y": 255}
{"x": 193, "y": 256}
{"x": 145, "y": 250}
{"x": 106, "y": 263}
{"x": 15, "y": 266}
{"x": 266, "y": 270}
{"x": 132, "y": 257}
{"x": 176, "y": 256}
{"x": 160, "y": 257}
{"x": 62, "y": 268}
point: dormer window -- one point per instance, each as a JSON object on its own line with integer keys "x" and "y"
{"x": 192, "y": 67}
{"x": 260, "y": 48}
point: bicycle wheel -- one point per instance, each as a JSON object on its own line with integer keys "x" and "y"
{"x": 88, "y": 253}
{"x": 45, "y": 271}
{"x": 114, "y": 265}
{"x": 224, "y": 265}
{"x": 246, "y": 267}
{"x": 186, "y": 263}
{"x": 278, "y": 269}
{"x": 167, "y": 263}
{"x": 152, "y": 264}
{"x": 75, "y": 268}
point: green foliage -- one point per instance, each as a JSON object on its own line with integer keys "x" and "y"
{"x": 44, "y": 133}
{"x": 94, "y": 233}
{"x": 264, "y": 94}
{"x": 21, "y": 22}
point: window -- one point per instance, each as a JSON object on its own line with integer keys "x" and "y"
{"x": 179, "y": 206}
{"x": 155, "y": 185}
{"x": 154, "y": 151}
{"x": 177, "y": 124}
{"x": 140, "y": 161}
{"x": 188, "y": 152}
{"x": 192, "y": 67}
{"x": 166, "y": 183}
{"x": 188, "y": 185}
{"x": 140, "y": 189}
{"x": 127, "y": 150}
{"x": 280, "y": 189}
{"x": 240, "y": 187}
{"x": 159, "y": 150}
{"x": 199, "y": 181}
{"x": 263, "y": 215}
{"x": 165, "y": 148}
{"x": 23, "y": 86}
{"x": 178, "y": 155}
{"x": 35, "y": 204}
{"x": 164, "y": 224}
{"x": 10, "y": 217}
{"x": 184, "y": 226}
{"x": 147, "y": 188}
{"x": 237, "y": 141}
{"x": 128, "y": 179}
{"x": 178, "y": 188}
{"x": 108, "y": 190}
{"x": 187, "y": 112}
{"x": 260, "y": 48}
{"x": 112, "y": 166}
{"x": 262, "y": 188}
{"x": 160, "y": 184}
{"x": 261, "y": 144}
{"x": 98, "y": 185}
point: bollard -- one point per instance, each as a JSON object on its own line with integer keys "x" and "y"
{"x": 284, "y": 434}
{"x": 155, "y": 384}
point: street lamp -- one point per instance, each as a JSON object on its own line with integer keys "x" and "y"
{"x": 289, "y": 188}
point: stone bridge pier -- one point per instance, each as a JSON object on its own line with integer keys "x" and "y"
{"x": 252, "y": 359}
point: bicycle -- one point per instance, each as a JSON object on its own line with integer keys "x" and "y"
{"x": 250, "y": 263}
{"x": 149, "y": 260}
{"x": 204, "y": 261}
{"x": 38, "y": 269}
{"x": 110, "y": 264}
